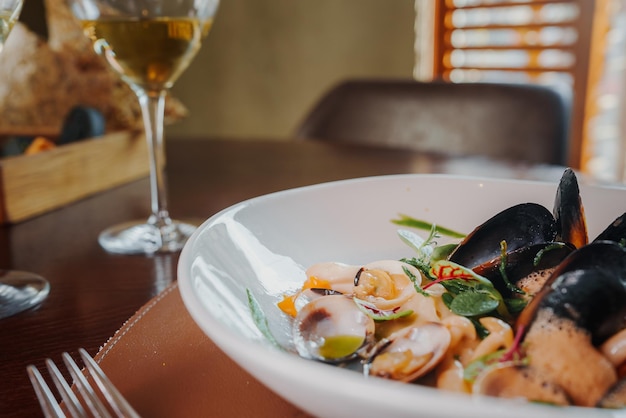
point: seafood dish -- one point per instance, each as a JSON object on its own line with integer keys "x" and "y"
{"x": 526, "y": 305}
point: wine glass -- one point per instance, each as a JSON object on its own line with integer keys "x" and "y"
{"x": 149, "y": 43}
{"x": 19, "y": 290}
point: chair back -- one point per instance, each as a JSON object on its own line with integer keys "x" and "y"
{"x": 508, "y": 121}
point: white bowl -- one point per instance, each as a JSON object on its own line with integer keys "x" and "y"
{"x": 265, "y": 244}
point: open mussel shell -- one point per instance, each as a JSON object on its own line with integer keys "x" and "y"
{"x": 588, "y": 288}
{"x": 615, "y": 232}
{"x": 519, "y": 226}
{"x": 527, "y": 268}
{"x": 569, "y": 212}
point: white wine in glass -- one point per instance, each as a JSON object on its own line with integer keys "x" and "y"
{"x": 149, "y": 43}
{"x": 19, "y": 290}
{"x": 9, "y": 13}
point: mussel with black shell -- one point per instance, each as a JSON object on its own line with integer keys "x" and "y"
{"x": 562, "y": 332}
{"x": 518, "y": 247}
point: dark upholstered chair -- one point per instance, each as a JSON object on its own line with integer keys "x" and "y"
{"x": 520, "y": 122}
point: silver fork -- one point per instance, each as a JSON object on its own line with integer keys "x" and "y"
{"x": 89, "y": 404}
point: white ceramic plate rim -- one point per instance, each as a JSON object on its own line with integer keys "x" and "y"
{"x": 259, "y": 359}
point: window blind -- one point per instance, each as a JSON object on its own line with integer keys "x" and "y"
{"x": 513, "y": 41}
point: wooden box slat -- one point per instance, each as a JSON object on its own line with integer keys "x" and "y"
{"x": 31, "y": 185}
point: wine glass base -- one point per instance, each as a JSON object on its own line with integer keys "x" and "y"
{"x": 141, "y": 237}
{"x": 20, "y": 290}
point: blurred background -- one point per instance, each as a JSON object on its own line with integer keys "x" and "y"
{"x": 266, "y": 61}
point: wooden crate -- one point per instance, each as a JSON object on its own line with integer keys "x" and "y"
{"x": 31, "y": 185}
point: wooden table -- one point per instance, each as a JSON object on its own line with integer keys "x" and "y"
{"x": 93, "y": 293}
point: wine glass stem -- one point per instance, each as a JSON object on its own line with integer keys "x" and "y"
{"x": 153, "y": 111}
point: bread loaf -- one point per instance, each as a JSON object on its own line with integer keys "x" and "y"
{"x": 42, "y": 81}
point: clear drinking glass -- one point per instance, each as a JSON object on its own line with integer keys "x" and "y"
{"x": 19, "y": 290}
{"x": 149, "y": 43}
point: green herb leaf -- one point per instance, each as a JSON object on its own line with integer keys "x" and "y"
{"x": 515, "y": 305}
{"x": 471, "y": 372}
{"x": 412, "y": 239}
{"x": 502, "y": 269}
{"x": 546, "y": 249}
{"x": 447, "y": 299}
{"x": 442, "y": 252}
{"x": 480, "y": 329}
{"x": 455, "y": 287}
{"x": 476, "y": 367}
{"x": 416, "y": 285}
{"x": 423, "y": 247}
{"x": 458, "y": 279}
{"x": 424, "y": 268}
{"x": 446, "y": 270}
{"x": 409, "y": 221}
{"x": 259, "y": 318}
{"x": 473, "y": 303}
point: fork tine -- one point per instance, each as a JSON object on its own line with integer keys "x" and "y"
{"x": 85, "y": 388}
{"x": 71, "y": 401}
{"x": 84, "y": 399}
{"x": 110, "y": 392}
{"x": 46, "y": 399}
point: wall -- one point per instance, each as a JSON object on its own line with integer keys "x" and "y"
{"x": 265, "y": 62}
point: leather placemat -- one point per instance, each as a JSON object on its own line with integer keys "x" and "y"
{"x": 167, "y": 367}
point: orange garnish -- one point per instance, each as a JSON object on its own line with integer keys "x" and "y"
{"x": 288, "y": 306}
{"x": 315, "y": 283}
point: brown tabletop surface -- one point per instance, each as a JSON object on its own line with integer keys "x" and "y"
{"x": 94, "y": 293}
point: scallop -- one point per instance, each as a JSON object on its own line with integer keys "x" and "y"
{"x": 332, "y": 329}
